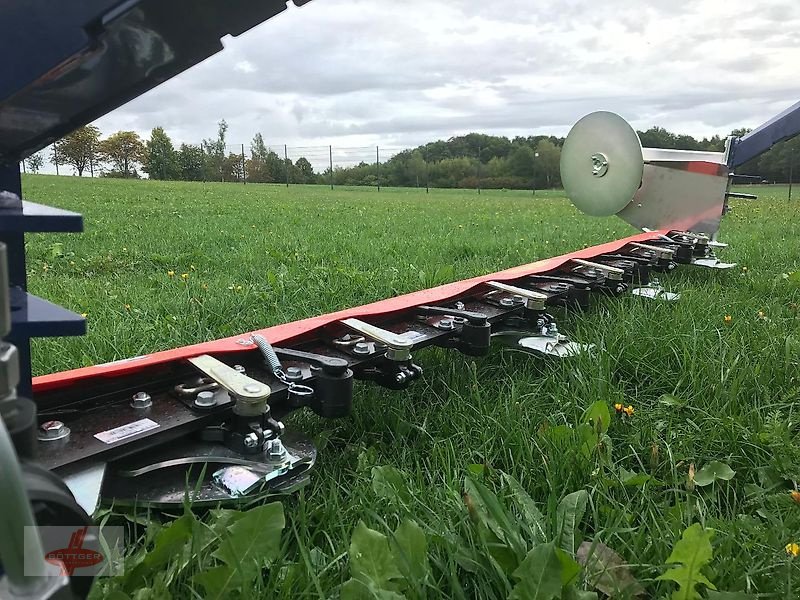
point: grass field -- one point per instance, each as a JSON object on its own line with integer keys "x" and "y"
{"x": 704, "y": 388}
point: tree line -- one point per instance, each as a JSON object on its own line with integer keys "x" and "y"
{"x": 468, "y": 161}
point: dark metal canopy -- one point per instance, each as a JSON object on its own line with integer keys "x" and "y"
{"x": 68, "y": 63}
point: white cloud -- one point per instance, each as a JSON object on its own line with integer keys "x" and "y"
{"x": 366, "y": 72}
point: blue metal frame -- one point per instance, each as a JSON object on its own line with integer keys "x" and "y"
{"x": 68, "y": 63}
{"x": 781, "y": 127}
{"x": 31, "y": 316}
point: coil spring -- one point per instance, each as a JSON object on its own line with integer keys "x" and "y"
{"x": 268, "y": 352}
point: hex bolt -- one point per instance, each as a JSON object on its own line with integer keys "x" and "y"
{"x": 361, "y": 348}
{"x": 276, "y": 449}
{"x": 506, "y": 302}
{"x": 238, "y": 368}
{"x": 445, "y": 324}
{"x": 517, "y": 299}
{"x": 205, "y": 399}
{"x": 250, "y": 440}
{"x": 52, "y": 430}
{"x": 141, "y": 400}
{"x": 552, "y": 329}
{"x": 294, "y": 374}
{"x": 400, "y": 377}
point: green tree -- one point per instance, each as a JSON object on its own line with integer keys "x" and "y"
{"x": 232, "y": 168}
{"x": 124, "y": 150}
{"x": 191, "y": 162}
{"x": 521, "y": 161}
{"x": 257, "y": 165}
{"x": 548, "y": 169}
{"x": 78, "y": 149}
{"x": 215, "y": 152}
{"x": 34, "y": 163}
{"x": 304, "y": 170}
{"x": 160, "y": 159}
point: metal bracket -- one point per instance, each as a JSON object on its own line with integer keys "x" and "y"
{"x": 533, "y": 300}
{"x": 399, "y": 347}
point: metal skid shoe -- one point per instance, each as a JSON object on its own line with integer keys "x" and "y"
{"x": 534, "y": 331}
{"x": 246, "y": 456}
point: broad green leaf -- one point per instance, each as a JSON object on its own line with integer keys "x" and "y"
{"x": 671, "y": 401}
{"x": 692, "y": 552}
{"x": 588, "y": 439}
{"x": 488, "y": 510}
{"x": 568, "y": 517}
{"x": 477, "y": 469}
{"x": 793, "y": 277}
{"x": 391, "y": 484}
{"x": 354, "y": 589}
{"x": 253, "y": 541}
{"x": 169, "y": 544}
{"x": 371, "y": 560}
{"x": 218, "y": 582}
{"x": 632, "y": 479}
{"x": 713, "y": 471}
{"x": 606, "y": 570}
{"x": 410, "y": 549}
{"x": 599, "y": 416}
{"x": 572, "y": 593}
{"x": 539, "y": 575}
{"x": 530, "y": 514}
{"x": 569, "y": 567}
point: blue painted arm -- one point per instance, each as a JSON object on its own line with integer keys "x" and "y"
{"x": 761, "y": 139}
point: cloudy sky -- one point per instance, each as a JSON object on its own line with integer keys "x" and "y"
{"x": 401, "y": 73}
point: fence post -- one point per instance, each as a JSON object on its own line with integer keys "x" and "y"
{"x": 478, "y": 172}
{"x": 791, "y": 164}
{"x": 55, "y": 156}
{"x": 286, "y": 163}
{"x": 378, "y": 166}
{"x": 330, "y": 151}
{"x": 244, "y": 172}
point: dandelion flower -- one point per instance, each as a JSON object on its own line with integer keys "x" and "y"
{"x": 795, "y": 496}
{"x": 628, "y": 410}
{"x": 84, "y": 315}
{"x": 744, "y": 269}
{"x": 184, "y": 276}
{"x": 793, "y": 549}
{"x": 618, "y": 407}
{"x": 728, "y": 319}
{"x": 761, "y": 314}
{"x": 171, "y": 273}
{"x": 127, "y": 307}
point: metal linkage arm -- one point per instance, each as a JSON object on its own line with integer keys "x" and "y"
{"x": 781, "y": 127}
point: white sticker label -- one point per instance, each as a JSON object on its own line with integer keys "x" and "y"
{"x": 125, "y": 431}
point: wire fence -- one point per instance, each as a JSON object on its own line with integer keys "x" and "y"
{"x": 323, "y": 161}
{"x": 465, "y": 166}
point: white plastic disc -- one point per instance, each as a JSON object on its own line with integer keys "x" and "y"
{"x": 601, "y": 164}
